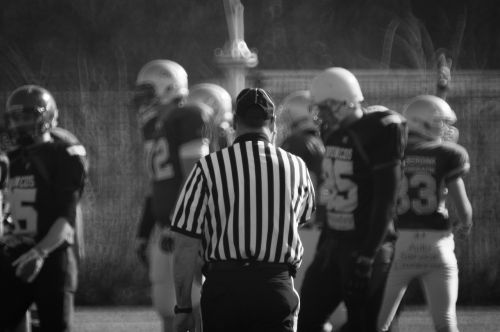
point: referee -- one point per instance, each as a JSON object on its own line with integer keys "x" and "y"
{"x": 243, "y": 204}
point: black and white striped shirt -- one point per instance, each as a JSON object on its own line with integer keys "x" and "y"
{"x": 246, "y": 202}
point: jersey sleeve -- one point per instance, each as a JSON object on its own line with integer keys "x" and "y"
{"x": 70, "y": 180}
{"x": 387, "y": 147}
{"x": 309, "y": 206}
{"x": 188, "y": 216}
{"x": 457, "y": 162}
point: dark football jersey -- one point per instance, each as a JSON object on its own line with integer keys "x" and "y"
{"x": 307, "y": 145}
{"x": 163, "y": 140}
{"x": 428, "y": 166}
{"x": 352, "y": 153}
{"x": 45, "y": 183}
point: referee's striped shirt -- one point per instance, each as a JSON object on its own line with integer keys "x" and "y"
{"x": 246, "y": 202}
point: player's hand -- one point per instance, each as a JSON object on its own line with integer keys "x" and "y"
{"x": 141, "y": 249}
{"x": 444, "y": 70}
{"x": 184, "y": 322}
{"x": 29, "y": 264}
{"x": 167, "y": 241}
{"x": 359, "y": 279}
{"x": 463, "y": 230}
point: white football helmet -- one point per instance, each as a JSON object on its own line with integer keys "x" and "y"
{"x": 338, "y": 84}
{"x": 431, "y": 117}
{"x": 167, "y": 78}
{"x": 294, "y": 110}
{"x": 217, "y": 98}
{"x": 220, "y": 131}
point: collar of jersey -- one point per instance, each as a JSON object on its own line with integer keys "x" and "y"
{"x": 251, "y": 137}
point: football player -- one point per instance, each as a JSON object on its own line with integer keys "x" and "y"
{"x": 361, "y": 173}
{"x": 301, "y": 132}
{"x": 219, "y": 130}
{"x": 299, "y": 135}
{"x": 434, "y": 169}
{"x": 46, "y": 181}
{"x": 173, "y": 134}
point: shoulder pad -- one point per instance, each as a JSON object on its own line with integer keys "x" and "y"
{"x": 76, "y": 150}
{"x": 64, "y": 135}
{"x": 389, "y": 117}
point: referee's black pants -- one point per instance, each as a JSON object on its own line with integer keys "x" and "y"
{"x": 325, "y": 286}
{"x": 253, "y": 298}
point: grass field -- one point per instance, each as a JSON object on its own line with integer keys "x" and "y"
{"x": 413, "y": 319}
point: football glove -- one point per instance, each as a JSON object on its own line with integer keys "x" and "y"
{"x": 29, "y": 264}
{"x": 361, "y": 273}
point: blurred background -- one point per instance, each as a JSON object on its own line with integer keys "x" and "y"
{"x": 88, "y": 53}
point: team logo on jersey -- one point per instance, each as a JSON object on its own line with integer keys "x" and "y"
{"x": 338, "y": 153}
{"x": 25, "y": 181}
{"x": 420, "y": 163}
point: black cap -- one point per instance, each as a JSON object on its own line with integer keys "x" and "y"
{"x": 254, "y": 103}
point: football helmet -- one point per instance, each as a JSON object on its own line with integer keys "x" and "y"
{"x": 431, "y": 117}
{"x": 336, "y": 95}
{"x": 30, "y": 112}
{"x": 294, "y": 110}
{"x": 337, "y": 84}
{"x": 160, "y": 82}
{"x": 217, "y": 98}
{"x": 220, "y": 130}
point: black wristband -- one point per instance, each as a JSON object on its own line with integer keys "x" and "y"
{"x": 178, "y": 310}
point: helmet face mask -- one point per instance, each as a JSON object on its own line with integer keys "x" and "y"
{"x": 144, "y": 96}
{"x": 25, "y": 125}
{"x": 329, "y": 114}
{"x": 31, "y": 111}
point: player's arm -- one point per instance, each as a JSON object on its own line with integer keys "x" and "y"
{"x": 458, "y": 194}
{"x": 185, "y": 267}
{"x": 443, "y": 84}
{"x": 62, "y": 231}
{"x": 146, "y": 225}
{"x": 384, "y": 192}
{"x": 386, "y": 157}
{"x": 187, "y": 224}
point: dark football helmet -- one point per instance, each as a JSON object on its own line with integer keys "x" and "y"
{"x": 30, "y": 112}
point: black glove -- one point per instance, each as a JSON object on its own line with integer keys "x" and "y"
{"x": 141, "y": 249}
{"x": 359, "y": 278}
